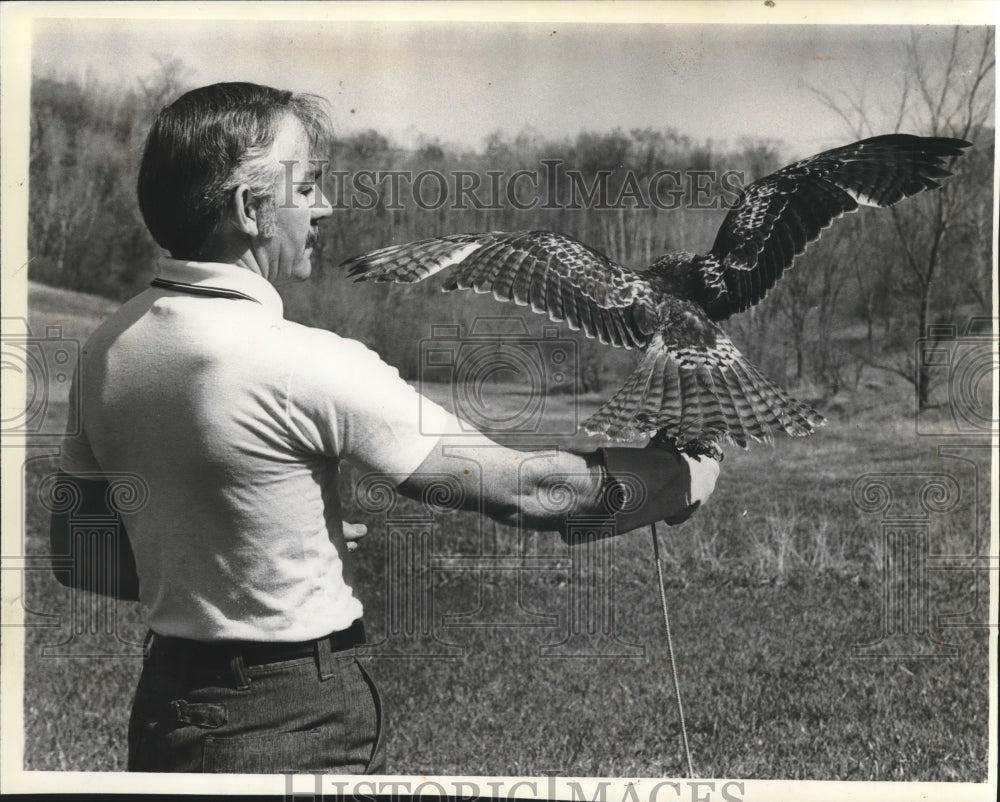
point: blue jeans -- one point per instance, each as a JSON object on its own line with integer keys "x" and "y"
{"x": 310, "y": 714}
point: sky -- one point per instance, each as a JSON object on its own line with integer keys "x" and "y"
{"x": 460, "y": 82}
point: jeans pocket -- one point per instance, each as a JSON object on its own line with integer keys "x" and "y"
{"x": 376, "y": 764}
{"x": 267, "y": 753}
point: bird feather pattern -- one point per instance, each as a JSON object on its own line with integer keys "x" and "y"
{"x": 691, "y": 385}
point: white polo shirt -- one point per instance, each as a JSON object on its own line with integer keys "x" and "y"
{"x": 237, "y": 420}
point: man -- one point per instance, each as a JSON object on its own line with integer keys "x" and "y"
{"x": 238, "y": 420}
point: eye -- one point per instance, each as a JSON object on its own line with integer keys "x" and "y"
{"x": 307, "y": 188}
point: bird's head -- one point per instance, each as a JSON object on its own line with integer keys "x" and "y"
{"x": 672, "y": 271}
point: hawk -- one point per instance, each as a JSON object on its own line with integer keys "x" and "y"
{"x": 692, "y": 386}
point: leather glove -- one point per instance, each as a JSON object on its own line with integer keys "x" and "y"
{"x": 656, "y": 484}
{"x": 646, "y": 485}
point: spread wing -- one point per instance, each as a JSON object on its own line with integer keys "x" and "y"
{"x": 552, "y": 273}
{"x": 694, "y": 387}
{"x": 776, "y": 217}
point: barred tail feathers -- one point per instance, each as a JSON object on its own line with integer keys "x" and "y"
{"x": 701, "y": 403}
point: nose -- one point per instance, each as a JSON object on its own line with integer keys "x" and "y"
{"x": 320, "y": 208}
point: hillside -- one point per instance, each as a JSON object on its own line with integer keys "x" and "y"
{"x": 76, "y": 313}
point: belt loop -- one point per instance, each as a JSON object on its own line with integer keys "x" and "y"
{"x": 239, "y": 670}
{"x": 147, "y": 644}
{"x": 325, "y": 662}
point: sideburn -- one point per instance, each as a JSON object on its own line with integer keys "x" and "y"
{"x": 267, "y": 216}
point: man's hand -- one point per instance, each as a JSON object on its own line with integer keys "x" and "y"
{"x": 353, "y": 533}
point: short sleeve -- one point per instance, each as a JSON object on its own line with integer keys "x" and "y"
{"x": 77, "y": 458}
{"x": 345, "y": 402}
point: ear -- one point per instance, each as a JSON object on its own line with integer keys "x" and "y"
{"x": 243, "y": 211}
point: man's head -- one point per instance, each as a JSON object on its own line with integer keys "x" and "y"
{"x": 226, "y": 170}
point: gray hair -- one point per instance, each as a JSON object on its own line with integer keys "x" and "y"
{"x": 208, "y": 142}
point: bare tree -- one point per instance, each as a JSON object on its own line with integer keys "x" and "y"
{"x": 944, "y": 91}
{"x": 164, "y": 82}
{"x": 952, "y": 97}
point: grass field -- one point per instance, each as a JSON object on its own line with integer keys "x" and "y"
{"x": 770, "y": 588}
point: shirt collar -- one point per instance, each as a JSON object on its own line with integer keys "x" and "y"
{"x": 227, "y": 277}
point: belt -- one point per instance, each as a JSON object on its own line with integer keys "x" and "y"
{"x": 219, "y": 654}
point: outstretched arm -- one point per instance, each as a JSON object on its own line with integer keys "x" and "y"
{"x": 544, "y": 489}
